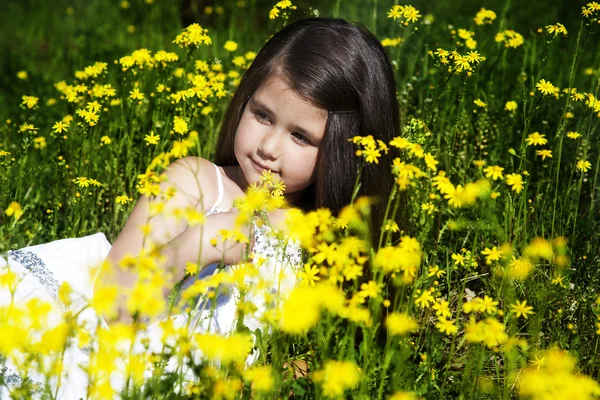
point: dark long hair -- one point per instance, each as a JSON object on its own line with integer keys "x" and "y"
{"x": 337, "y": 66}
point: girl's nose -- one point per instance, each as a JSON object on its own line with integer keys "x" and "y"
{"x": 269, "y": 145}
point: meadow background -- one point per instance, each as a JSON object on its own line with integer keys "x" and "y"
{"x": 496, "y": 294}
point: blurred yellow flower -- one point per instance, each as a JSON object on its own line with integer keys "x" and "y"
{"x": 484, "y": 16}
{"x": 554, "y": 374}
{"x": 400, "y": 323}
{"x": 446, "y": 326}
{"x": 261, "y": 378}
{"x": 336, "y": 377}
{"x": 15, "y": 209}
{"x": 480, "y": 103}
{"x": 230, "y": 46}
{"x": 30, "y": 101}
{"x": 545, "y": 153}
{"x": 573, "y": 135}
{"x": 123, "y": 199}
{"x": 510, "y": 105}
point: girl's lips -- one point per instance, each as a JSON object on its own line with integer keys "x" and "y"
{"x": 260, "y": 167}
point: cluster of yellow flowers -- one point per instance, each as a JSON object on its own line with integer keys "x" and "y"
{"x": 510, "y": 38}
{"x": 484, "y": 16}
{"x": 405, "y": 14}
{"x": 556, "y": 29}
{"x": 466, "y": 62}
{"x": 143, "y": 58}
{"x": 193, "y": 36}
{"x": 555, "y": 376}
{"x": 284, "y": 5}
{"x": 591, "y": 11}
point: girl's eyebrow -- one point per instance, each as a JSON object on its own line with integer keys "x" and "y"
{"x": 257, "y": 103}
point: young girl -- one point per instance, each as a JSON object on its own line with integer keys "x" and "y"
{"x": 313, "y": 86}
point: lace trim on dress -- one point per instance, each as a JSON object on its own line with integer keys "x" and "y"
{"x": 36, "y": 266}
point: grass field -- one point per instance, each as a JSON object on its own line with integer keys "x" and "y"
{"x": 492, "y": 290}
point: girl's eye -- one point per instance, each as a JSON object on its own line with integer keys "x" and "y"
{"x": 301, "y": 140}
{"x": 260, "y": 115}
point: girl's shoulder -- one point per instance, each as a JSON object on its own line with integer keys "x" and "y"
{"x": 198, "y": 179}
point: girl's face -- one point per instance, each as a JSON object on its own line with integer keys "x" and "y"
{"x": 282, "y": 132}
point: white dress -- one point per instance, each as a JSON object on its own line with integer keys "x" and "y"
{"x": 42, "y": 269}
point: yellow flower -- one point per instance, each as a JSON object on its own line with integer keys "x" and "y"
{"x": 544, "y": 153}
{"x": 105, "y": 140}
{"x": 459, "y": 259}
{"x": 480, "y": 103}
{"x": 191, "y": 268}
{"x": 22, "y": 75}
{"x": 193, "y": 36}
{"x": 521, "y": 309}
{"x": 15, "y": 209}
{"x": 135, "y": 94}
{"x": 151, "y": 138}
{"x": 260, "y": 377}
{"x": 510, "y": 105}
{"x": 403, "y": 396}
{"x": 370, "y": 289}
{"x": 396, "y": 12}
{"x": 309, "y": 275}
{"x": 493, "y": 171}
{"x": 489, "y": 331}
{"x": 425, "y": 299}
{"x": 123, "y": 199}
{"x": 493, "y": 254}
{"x": 446, "y": 326}
{"x": 558, "y": 280}
{"x": 515, "y": 181}
{"x": 60, "y": 127}
{"x": 488, "y": 304}
{"x": 234, "y": 348}
{"x": 180, "y": 125}
{"x": 400, "y": 324}
{"x": 584, "y": 165}
{"x": 554, "y": 375}
{"x": 484, "y": 16}
{"x": 536, "y": 139}
{"x": 556, "y": 29}
{"x": 539, "y": 248}
{"x": 411, "y": 14}
{"x": 39, "y": 142}
{"x": 519, "y": 268}
{"x": 230, "y": 46}
{"x": 545, "y": 87}
{"x": 29, "y": 101}
{"x": 573, "y": 135}
{"x": 336, "y": 377}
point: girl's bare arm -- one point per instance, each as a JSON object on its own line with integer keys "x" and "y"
{"x": 193, "y": 181}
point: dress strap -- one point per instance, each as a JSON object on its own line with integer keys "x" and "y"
{"x": 220, "y": 187}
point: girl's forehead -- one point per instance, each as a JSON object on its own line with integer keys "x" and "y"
{"x": 276, "y": 88}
